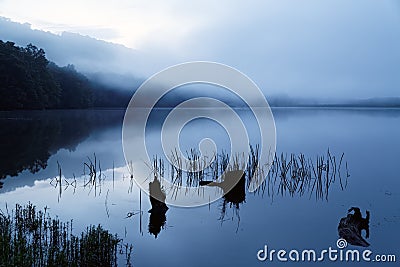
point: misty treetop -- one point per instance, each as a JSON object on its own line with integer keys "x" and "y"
{"x": 25, "y": 81}
{"x": 29, "y": 81}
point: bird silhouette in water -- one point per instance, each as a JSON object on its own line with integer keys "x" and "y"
{"x": 350, "y": 227}
{"x": 158, "y": 208}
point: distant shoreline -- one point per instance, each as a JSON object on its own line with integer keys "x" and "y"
{"x": 234, "y": 107}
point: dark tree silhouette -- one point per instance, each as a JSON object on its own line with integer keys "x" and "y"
{"x": 25, "y": 81}
{"x": 29, "y": 81}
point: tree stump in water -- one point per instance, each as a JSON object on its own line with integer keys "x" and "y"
{"x": 350, "y": 227}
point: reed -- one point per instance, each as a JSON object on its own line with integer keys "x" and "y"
{"x": 95, "y": 175}
{"x": 30, "y": 237}
{"x": 287, "y": 174}
{"x": 297, "y": 174}
{"x": 62, "y": 184}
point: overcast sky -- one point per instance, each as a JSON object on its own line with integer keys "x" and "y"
{"x": 336, "y": 48}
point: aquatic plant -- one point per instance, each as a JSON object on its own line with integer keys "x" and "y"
{"x": 283, "y": 174}
{"x": 30, "y": 237}
{"x": 298, "y": 174}
{"x": 95, "y": 175}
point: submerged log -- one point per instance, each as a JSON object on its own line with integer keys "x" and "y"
{"x": 233, "y": 186}
{"x": 350, "y": 227}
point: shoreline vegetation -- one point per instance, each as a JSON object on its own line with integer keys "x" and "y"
{"x": 29, "y": 81}
{"x": 30, "y": 237}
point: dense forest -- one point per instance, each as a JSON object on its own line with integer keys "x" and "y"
{"x": 28, "y": 80}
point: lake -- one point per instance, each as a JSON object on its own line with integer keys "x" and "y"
{"x": 363, "y": 146}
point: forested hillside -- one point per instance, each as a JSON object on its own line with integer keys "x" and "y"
{"x": 29, "y": 81}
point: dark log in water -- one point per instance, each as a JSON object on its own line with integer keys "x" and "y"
{"x": 158, "y": 209}
{"x": 350, "y": 227}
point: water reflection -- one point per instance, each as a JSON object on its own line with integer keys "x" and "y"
{"x": 233, "y": 186}
{"x": 158, "y": 209}
{"x": 291, "y": 176}
{"x": 371, "y": 154}
{"x": 351, "y": 226}
{"x": 299, "y": 175}
{"x": 30, "y": 138}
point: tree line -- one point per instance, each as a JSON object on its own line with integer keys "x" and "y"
{"x": 28, "y": 80}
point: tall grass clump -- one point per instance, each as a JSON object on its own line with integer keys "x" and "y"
{"x": 30, "y": 237}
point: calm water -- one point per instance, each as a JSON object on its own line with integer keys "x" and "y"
{"x": 221, "y": 233}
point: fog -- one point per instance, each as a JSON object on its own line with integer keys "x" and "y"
{"x": 96, "y": 58}
{"x": 312, "y": 50}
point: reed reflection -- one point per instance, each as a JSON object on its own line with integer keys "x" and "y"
{"x": 289, "y": 176}
{"x": 233, "y": 186}
{"x": 292, "y": 175}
